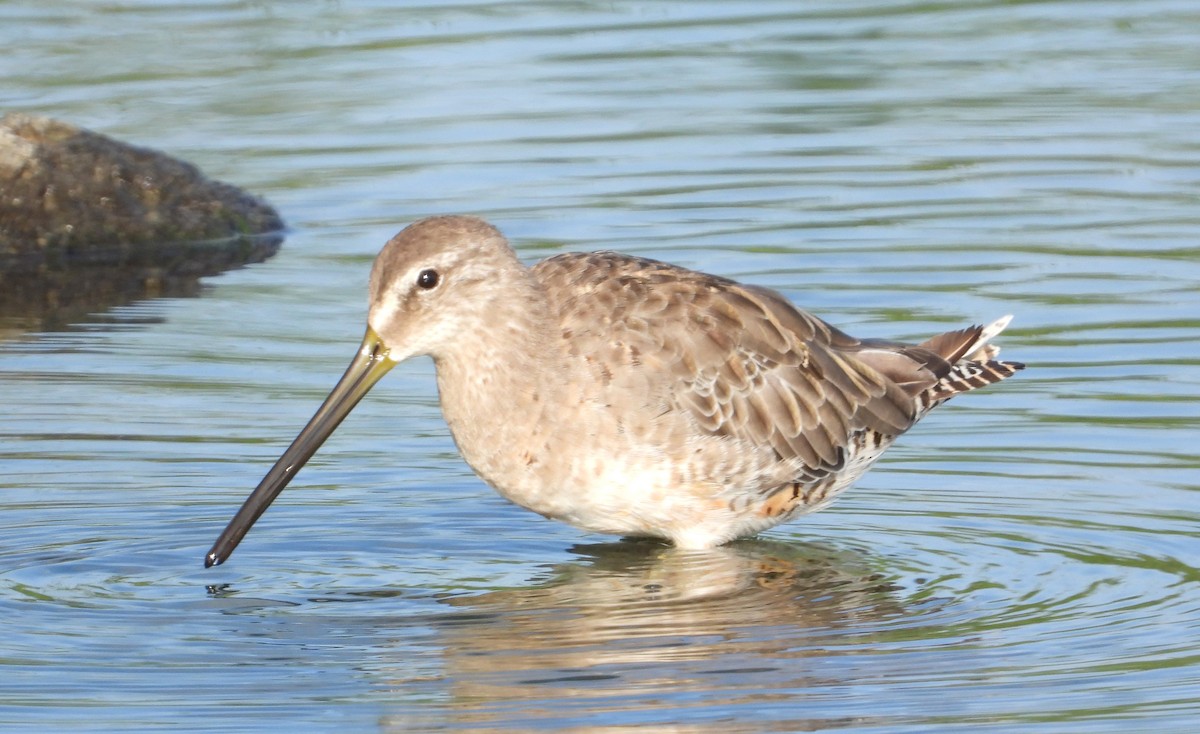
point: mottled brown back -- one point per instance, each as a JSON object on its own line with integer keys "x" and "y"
{"x": 739, "y": 361}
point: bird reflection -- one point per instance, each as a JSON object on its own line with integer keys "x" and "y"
{"x": 636, "y": 624}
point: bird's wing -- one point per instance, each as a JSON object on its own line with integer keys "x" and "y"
{"x": 737, "y": 361}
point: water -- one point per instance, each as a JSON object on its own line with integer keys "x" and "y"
{"x": 1026, "y": 558}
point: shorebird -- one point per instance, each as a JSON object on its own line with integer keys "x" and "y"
{"x": 632, "y": 397}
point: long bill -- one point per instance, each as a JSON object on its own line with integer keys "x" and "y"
{"x": 371, "y": 363}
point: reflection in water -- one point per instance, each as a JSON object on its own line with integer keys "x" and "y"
{"x": 641, "y": 626}
{"x": 57, "y": 294}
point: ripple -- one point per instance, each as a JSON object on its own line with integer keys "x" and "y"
{"x": 1024, "y": 559}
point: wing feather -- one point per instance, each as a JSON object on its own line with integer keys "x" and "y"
{"x": 727, "y": 360}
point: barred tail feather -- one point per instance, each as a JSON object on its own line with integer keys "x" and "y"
{"x": 967, "y": 376}
{"x": 979, "y": 368}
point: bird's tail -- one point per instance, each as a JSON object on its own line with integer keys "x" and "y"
{"x": 973, "y": 362}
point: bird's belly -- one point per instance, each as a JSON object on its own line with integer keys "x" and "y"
{"x": 651, "y": 493}
{"x": 605, "y": 495}
{"x": 647, "y": 502}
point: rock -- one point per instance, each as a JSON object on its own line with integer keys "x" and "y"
{"x": 87, "y": 221}
{"x": 64, "y": 190}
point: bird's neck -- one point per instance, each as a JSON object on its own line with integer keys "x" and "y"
{"x": 499, "y": 390}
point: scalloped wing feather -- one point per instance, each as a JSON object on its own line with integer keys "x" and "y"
{"x": 729, "y": 360}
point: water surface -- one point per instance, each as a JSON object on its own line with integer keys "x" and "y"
{"x": 1025, "y": 558}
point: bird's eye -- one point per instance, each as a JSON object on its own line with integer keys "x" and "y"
{"x": 427, "y": 279}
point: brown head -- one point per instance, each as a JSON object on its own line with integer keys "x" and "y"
{"x": 434, "y": 280}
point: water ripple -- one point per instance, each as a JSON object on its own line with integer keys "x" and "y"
{"x": 1025, "y": 558}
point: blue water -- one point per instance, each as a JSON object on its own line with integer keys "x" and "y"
{"x": 1025, "y": 559}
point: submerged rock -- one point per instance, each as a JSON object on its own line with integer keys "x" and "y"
{"x": 87, "y": 221}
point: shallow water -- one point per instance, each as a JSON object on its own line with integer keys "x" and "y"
{"x": 1026, "y": 557}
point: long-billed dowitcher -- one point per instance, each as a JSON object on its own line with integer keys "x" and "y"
{"x": 633, "y": 397}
